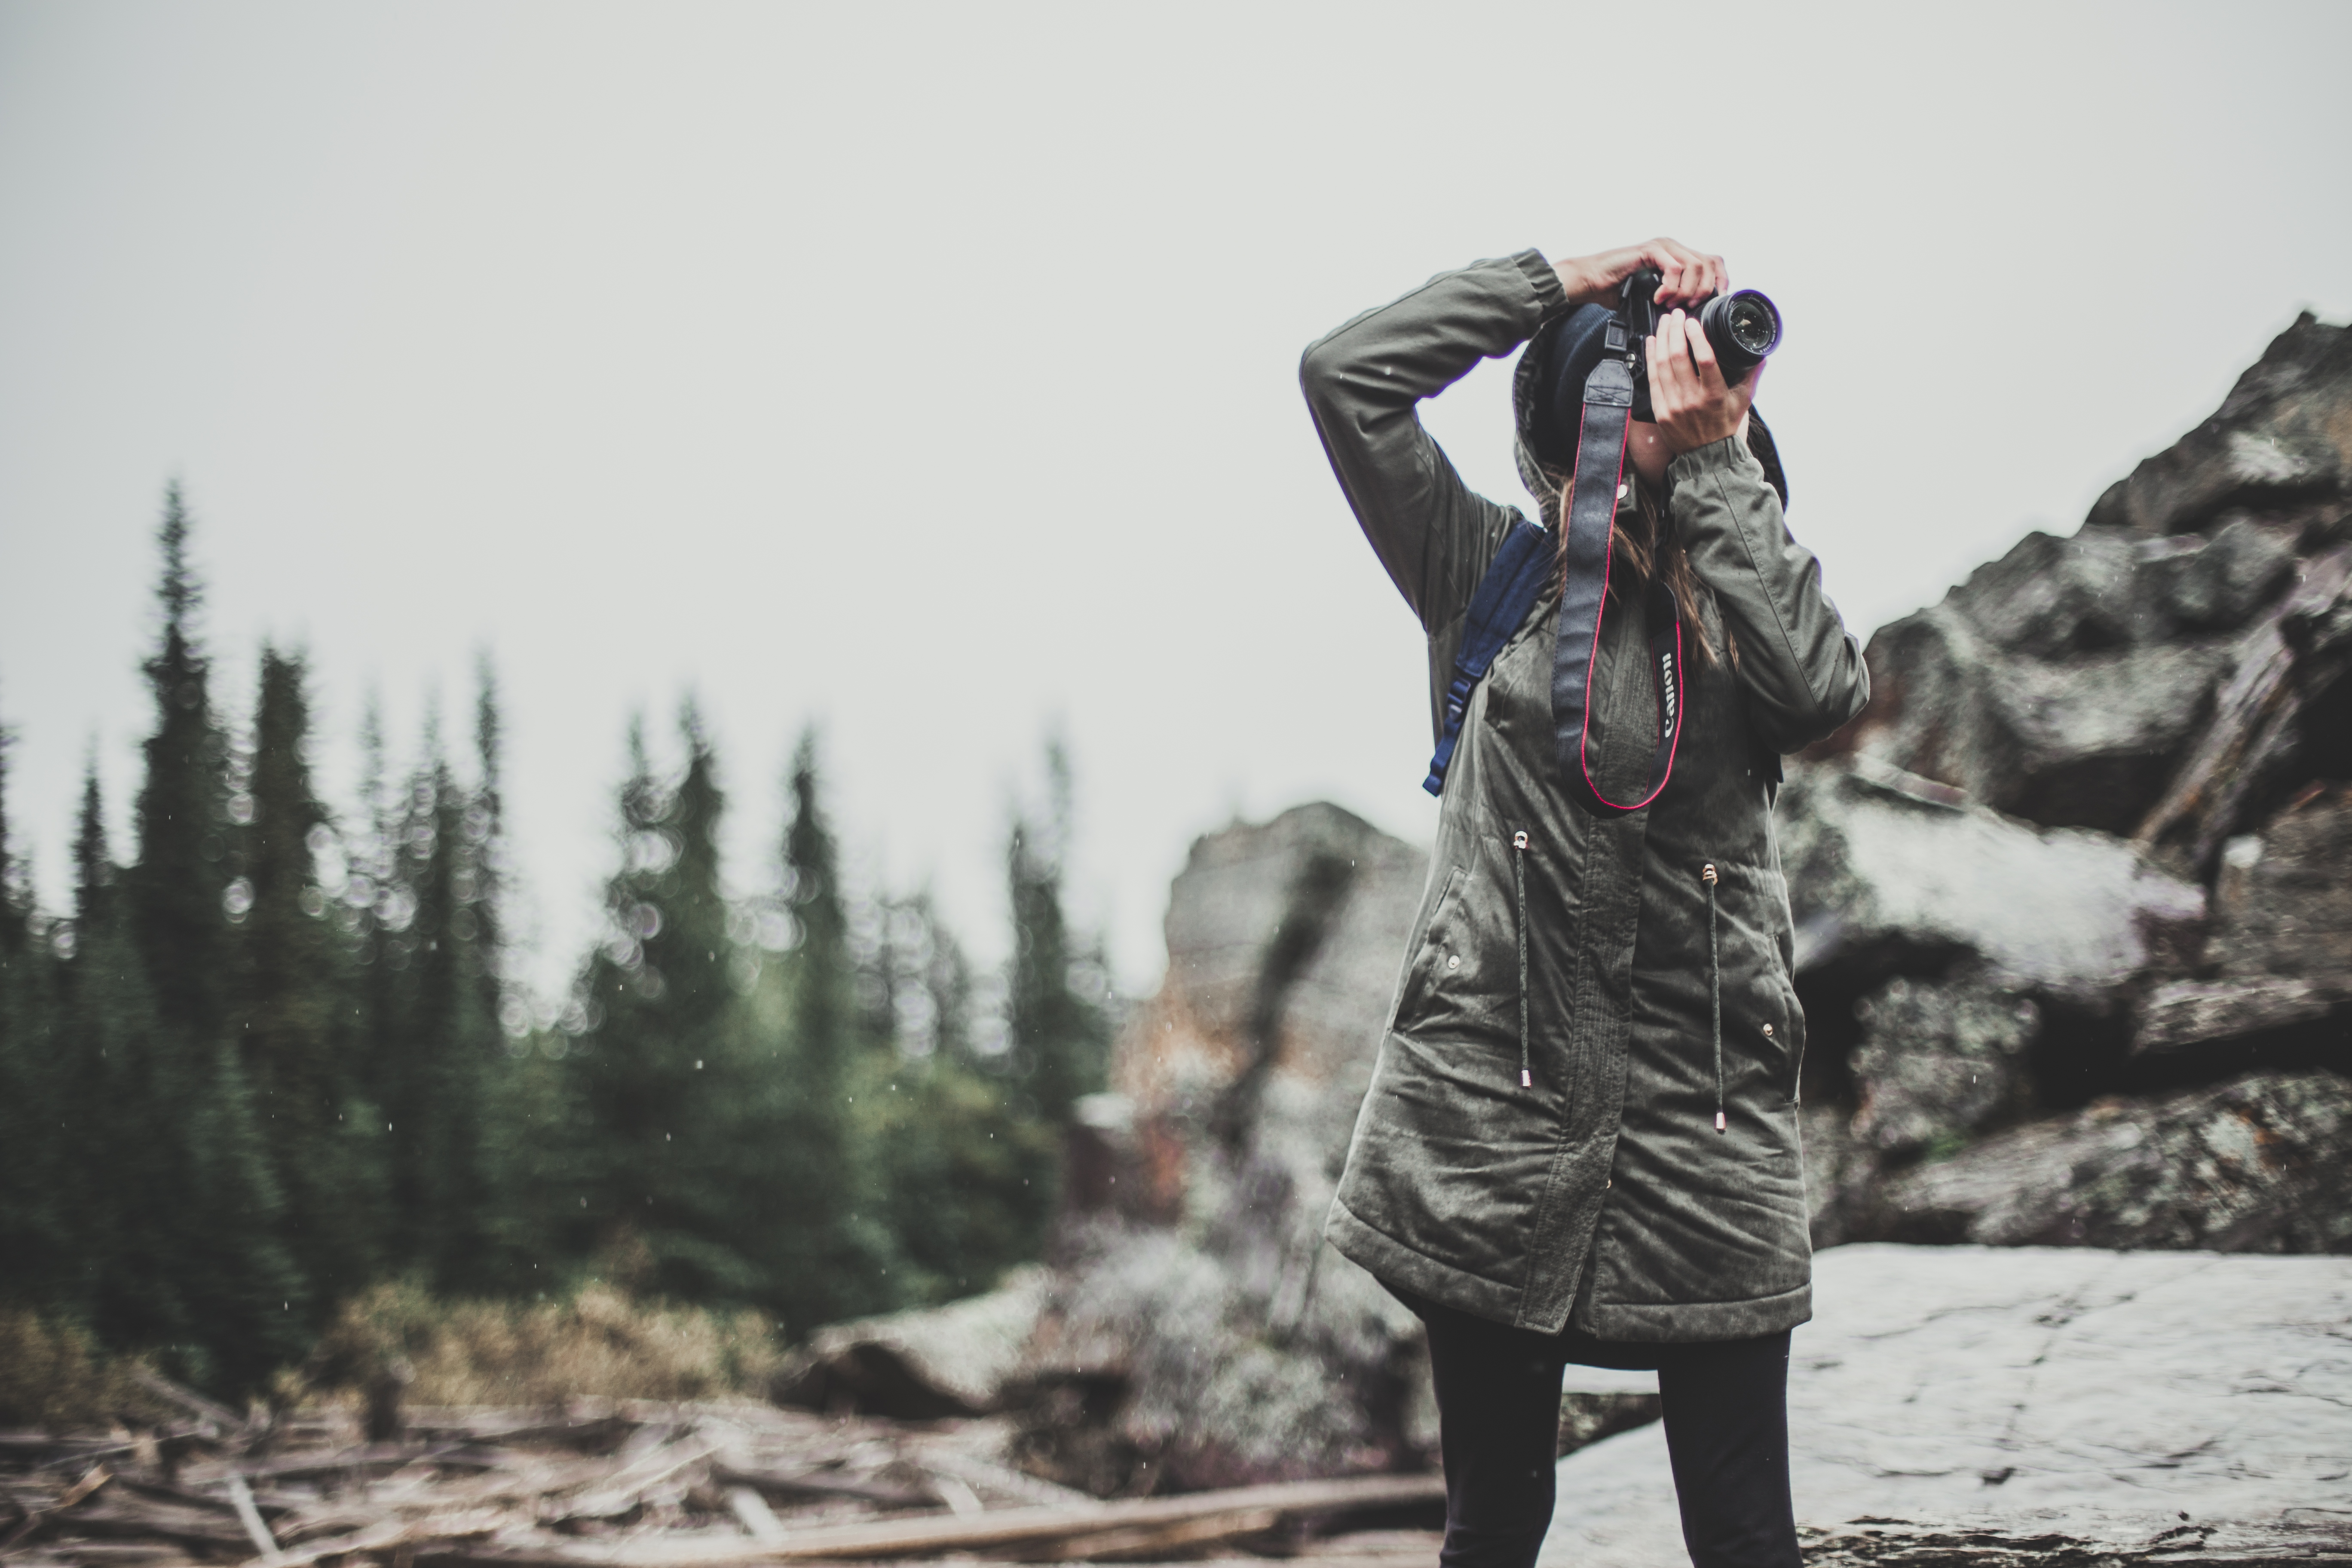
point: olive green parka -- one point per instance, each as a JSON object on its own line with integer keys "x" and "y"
{"x": 1602, "y": 1194}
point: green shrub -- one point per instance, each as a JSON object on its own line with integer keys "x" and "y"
{"x": 600, "y": 1341}
{"x": 52, "y": 1375}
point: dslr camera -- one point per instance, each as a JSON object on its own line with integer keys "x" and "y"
{"x": 1742, "y": 328}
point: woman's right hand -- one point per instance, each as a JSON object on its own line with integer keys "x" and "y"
{"x": 1686, "y": 275}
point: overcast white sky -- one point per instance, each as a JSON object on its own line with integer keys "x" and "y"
{"x": 929, "y": 371}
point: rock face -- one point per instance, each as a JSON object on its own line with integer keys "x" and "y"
{"x": 2174, "y": 670}
{"x": 2253, "y": 1165}
{"x": 2180, "y": 1407}
{"x": 1197, "y": 1301}
{"x": 2092, "y": 839}
{"x": 2282, "y": 436}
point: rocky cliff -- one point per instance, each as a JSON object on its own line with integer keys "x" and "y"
{"x": 2075, "y": 932}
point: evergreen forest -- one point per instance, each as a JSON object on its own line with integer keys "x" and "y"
{"x": 271, "y": 1056}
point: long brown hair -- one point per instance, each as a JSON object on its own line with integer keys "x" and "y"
{"x": 1648, "y": 545}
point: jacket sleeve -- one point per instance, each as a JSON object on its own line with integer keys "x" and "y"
{"x": 1802, "y": 670}
{"x": 1363, "y": 384}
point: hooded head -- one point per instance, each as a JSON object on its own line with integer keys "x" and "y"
{"x": 1548, "y": 401}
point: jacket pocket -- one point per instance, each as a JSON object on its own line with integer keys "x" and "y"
{"x": 1462, "y": 978}
{"x": 1758, "y": 1024}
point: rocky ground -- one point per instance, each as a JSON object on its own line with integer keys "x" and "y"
{"x": 2042, "y": 1404}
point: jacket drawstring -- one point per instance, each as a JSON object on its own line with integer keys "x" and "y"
{"x": 1519, "y": 887}
{"x": 1714, "y": 988}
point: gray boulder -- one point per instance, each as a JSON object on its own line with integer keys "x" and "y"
{"x": 2284, "y": 903}
{"x": 2263, "y": 1164}
{"x": 1891, "y": 873}
{"x": 2056, "y": 683}
{"x": 1939, "y": 1061}
{"x": 2276, "y": 981}
{"x": 961, "y": 1359}
{"x": 2276, "y": 440}
{"x": 2171, "y": 671}
{"x": 1223, "y": 1343}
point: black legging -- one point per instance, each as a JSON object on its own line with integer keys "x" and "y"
{"x": 1726, "y": 1417}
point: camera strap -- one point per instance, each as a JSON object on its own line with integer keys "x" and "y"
{"x": 1590, "y": 520}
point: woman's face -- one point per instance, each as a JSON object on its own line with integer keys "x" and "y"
{"x": 1647, "y": 449}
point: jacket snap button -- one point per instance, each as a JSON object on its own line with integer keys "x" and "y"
{"x": 1768, "y": 1031}
{"x": 1452, "y": 961}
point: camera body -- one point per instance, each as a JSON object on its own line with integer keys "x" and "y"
{"x": 1742, "y": 328}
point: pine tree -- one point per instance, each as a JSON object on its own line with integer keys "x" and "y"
{"x": 287, "y": 1001}
{"x": 830, "y": 1230}
{"x": 376, "y": 898}
{"x": 15, "y": 879}
{"x": 249, "y": 1299}
{"x": 823, "y": 993}
{"x": 124, "y": 1090}
{"x": 1058, "y": 1031}
{"x": 656, "y": 1075}
{"x": 435, "y": 1057}
{"x": 530, "y": 1147}
{"x": 963, "y": 1164}
{"x": 35, "y": 1234}
{"x": 177, "y": 888}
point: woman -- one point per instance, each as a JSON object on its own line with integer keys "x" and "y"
{"x": 1580, "y": 1140}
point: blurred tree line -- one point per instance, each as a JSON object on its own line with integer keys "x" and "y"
{"x": 274, "y": 1058}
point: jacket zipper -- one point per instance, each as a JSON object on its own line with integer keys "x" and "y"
{"x": 1715, "y": 988}
{"x": 1519, "y": 887}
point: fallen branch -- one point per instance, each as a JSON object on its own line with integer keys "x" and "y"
{"x": 962, "y": 1500}
{"x": 240, "y": 1497}
{"x": 1148, "y": 1542}
{"x": 1001, "y": 1478}
{"x": 187, "y": 1399}
{"x": 34, "y": 1518}
{"x": 757, "y": 1520}
{"x": 818, "y": 1484}
{"x": 1027, "y": 1534}
{"x": 393, "y": 1536}
{"x": 620, "y": 1493}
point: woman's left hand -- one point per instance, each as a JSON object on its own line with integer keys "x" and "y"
{"x": 1692, "y": 404}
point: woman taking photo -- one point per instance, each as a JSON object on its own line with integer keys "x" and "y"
{"x": 1580, "y": 1141}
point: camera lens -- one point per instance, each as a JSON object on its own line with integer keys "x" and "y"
{"x": 1749, "y": 322}
{"x": 1743, "y": 328}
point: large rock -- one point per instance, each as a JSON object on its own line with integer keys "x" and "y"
{"x": 2282, "y": 436}
{"x": 1952, "y": 1406}
{"x": 2261, "y": 1165}
{"x": 2002, "y": 871}
{"x": 2284, "y": 903}
{"x": 1222, "y": 1342}
{"x": 2055, "y": 684}
{"x": 2276, "y": 979}
{"x": 960, "y": 1359}
{"x": 1889, "y": 873}
{"x": 1939, "y": 1061}
{"x": 2171, "y": 671}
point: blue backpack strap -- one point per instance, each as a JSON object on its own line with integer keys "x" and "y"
{"x": 1512, "y": 583}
